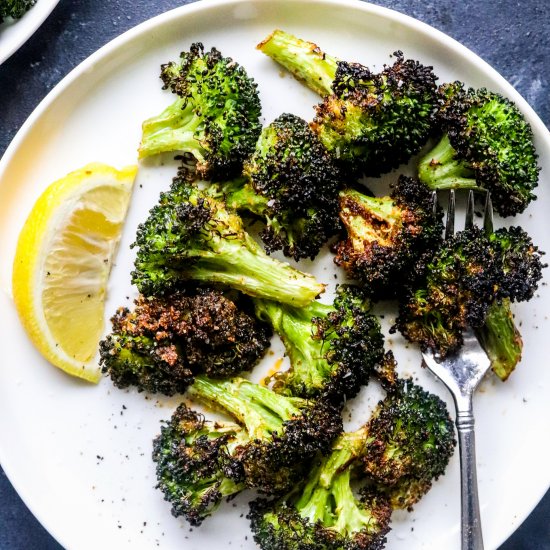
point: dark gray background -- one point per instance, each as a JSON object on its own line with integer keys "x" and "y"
{"x": 513, "y": 36}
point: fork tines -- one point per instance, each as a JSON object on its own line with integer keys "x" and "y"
{"x": 469, "y": 219}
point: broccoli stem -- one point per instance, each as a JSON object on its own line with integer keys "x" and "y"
{"x": 245, "y": 267}
{"x": 259, "y": 409}
{"x": 440, "y": 169}
{"x": 303, "y": 59}
{"x": 173, "y": 130}
{"x": 309, "y": 365}
{"x": 240, "y": 195}
{"x": 501, "y": 339}
{"x": 351, "y": 518}
{"x": 329, "y": 479}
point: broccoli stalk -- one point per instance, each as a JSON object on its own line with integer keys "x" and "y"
{"x": 192, "y": 236}
{"x": 215, "y": 119}
{"x": 333, "y": 350}
{"x": 291, "y": 184}
{"x": 282, "y": 430}
{"x": 387, "y": 235}
{"x": 440, "y": 169}
{"x": 486, "y": 143}
{"x": 501, "y": 339}
{"x": 304, "y": 60}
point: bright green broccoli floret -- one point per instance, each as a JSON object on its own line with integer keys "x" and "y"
{"x": 333, "y": 349}
{"x": 486, "y": 143}
{"x": 291, "y": 183}
{"x": 283, "y": 431}
{"x": 195, "y": 466}
{"x": 165, "y": 341}
{"x": 371, "y": 122}
{"x": 215, "y": 119}
{"x": 386, "y": 236}
{"x": 192, "y": 236}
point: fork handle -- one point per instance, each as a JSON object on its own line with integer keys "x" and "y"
{"x": 472, "y": 538}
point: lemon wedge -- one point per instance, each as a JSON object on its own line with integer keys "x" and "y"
{"x": 62, "y": 264}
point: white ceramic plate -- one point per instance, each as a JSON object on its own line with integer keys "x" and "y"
{"x": 13, "y": 34}
{"x": 79, "y": 455}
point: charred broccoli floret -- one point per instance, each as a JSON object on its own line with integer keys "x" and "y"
{"x": 165, "y": 341}
{"x": 486, "y": 143}
{"x": 405, "y": 445}
{"x": 194, "y": 463}
{"x": 521, "y": 264}
{"x": 371, "y": 122}
{"x": 291, "y": 183}
{"x": 323, "y": 513}
{"x": 215, "y": 119}
{"x": 387, "y": 235}
{"x": 410, "y": 439}
{"x": 15, "y": 8}
{"x": 282, "y": 431}
{"x": 333, "y": 349}
{"x": 459, "y": 283}
{"x": 454, "y": 290}
{"x": 520, "y": 261}
{"x": 192, "y": 236}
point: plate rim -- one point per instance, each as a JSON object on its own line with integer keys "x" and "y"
{"x": 206, "y": 5}
{"x": 31, "y": 28}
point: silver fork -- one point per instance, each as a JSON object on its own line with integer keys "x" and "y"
{"x": 462, "y": 373}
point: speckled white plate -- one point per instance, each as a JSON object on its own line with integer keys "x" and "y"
{"x": 79, "y": 455}
{"x": 13, "y": 34}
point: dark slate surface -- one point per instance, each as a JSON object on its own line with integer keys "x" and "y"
{"x": 512, "y": 35}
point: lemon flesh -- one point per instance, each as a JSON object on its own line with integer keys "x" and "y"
{"x": 62, "y": 264}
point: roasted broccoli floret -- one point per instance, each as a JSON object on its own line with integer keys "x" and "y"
{"x": 410, "y": 439}
{"x": 333, "y": 349}
{"x": 453, "y": 291}
{"x": 323, "y": 513}
{"x": 282, "y": 431}
{"x": 521, "y": 264}
{"x": 387, "y": 235}
{"x": 15, "y": 8}
{"x": 486, "y": 143}
{"x": 458, "y": 284}
{"x": 192, "y": 236}
{"x": 291, "y": 183}
{"x": 165, "y": 341}
{"x": 405, "y": 445}
{"x": 194, "y": 463}
{"x": 520, "y": 261}
{"x": 371, "y": 122}
{"x": 215, "y": 119}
